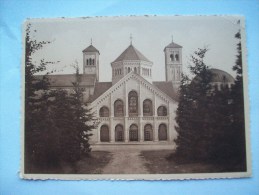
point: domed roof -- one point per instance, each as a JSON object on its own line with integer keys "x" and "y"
{"x": 218, "y": 76}
{"x": 91, "y": 48}
{"x": 131, "y": 53}
{"x": 221, "y": 76}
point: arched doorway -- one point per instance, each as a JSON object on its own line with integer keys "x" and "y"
{"x": 148, "y": 133}
{"x": 162, "y": 132}
{"x": 104, "y": 133}
{"x": 133, "y": 133}
{"x": 119, "y": 133}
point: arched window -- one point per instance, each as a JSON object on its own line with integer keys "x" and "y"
{"x": 172, "y": 57}
{"x": 104, "y": 133}
{"x": 118, "y": 108}
{"x": 147, "y": 108}
{"x": 135, "y": 70}
{"x": 161, "y": 111}
{"x": 92, "y": 61}
{"x": 128, "y": 69}
{"x": 104, "y": 112}
{"x": 162, "y": 132}
{"x": 148, "y": 133}
{"x": 133, "y": 133}
{"x": 133, "y": 103}
{"x": 176, "y": 57}
{"x": 87, "y": 62}
{"x": 119, "y": 133}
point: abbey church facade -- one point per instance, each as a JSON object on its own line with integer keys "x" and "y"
{"x": 132, "y": 108}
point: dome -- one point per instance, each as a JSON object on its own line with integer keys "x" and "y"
{"x": 221, "y": 76}
{"x": 218, "y": 76}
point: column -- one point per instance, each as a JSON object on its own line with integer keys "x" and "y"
{"x": 111, "y": 128}
{"x": 169, "y": 125}
{"x": 99, "y": 126}
{"x": 140, "y": 115}
{"x": 126, "y": 128}
{"x": 141, "y": 130}
{"x": 155, "y": 127}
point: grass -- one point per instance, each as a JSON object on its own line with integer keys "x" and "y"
{"x": 92, "y": 164}
{"x": 160, "y": 162}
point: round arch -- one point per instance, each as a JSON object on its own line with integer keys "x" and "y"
{"x": 119, "y": 133}
{"x": 104, "y": 111}
{"x": 162, "y": 132}
{"x": 148, "y": 132}
{"x": 133, "y": 132}
{"x": 133, "y": 103}
{"x": 147, "y": 107}
{"x": 104, "y": 133}
{"x": 118, "y": 108}
{"x": 162, "y": 110}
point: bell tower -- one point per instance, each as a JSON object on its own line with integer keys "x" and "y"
{"x": 91, "y": 61}
{"x": 173, "y": 63}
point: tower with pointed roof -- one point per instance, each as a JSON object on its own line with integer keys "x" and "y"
{"x": 131, "y": 60}
{"x": 91, "y": 61}
{"x": 173, "y": 63}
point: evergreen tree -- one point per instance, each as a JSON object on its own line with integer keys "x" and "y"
{"x": 57, "y": 123}
{"x": 76, "y": 122}
{"x": 36, "y": 99}
{"x": 238, "y": 125}
{"x": 193, "y": 117}
{"x": 211, "y": 121}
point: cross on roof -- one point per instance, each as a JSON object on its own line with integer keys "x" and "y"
{"x": 131, "y": 38}
{"x": 172, "y": 38}
{"x": 91, "y": 41}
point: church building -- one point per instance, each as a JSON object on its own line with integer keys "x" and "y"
{"x": 132, "y": 108}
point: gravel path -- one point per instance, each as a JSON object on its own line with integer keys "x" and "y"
{"x": 126, "y": 162}
{"x": 126, "y": 159}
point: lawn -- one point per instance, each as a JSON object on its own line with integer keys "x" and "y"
{"x": 158, "y": 162}
{"x": 92, "y": 164}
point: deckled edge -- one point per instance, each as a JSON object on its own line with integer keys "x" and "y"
{"x": 140, "y": 177}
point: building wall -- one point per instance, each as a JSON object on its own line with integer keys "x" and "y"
{"x": 144, "y": 92}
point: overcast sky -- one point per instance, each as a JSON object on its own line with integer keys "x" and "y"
{"x": 111, "y": 36}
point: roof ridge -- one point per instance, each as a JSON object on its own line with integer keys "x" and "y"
{"x": 130, "y": 53}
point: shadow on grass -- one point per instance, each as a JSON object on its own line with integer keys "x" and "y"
{"x": 91, "y": 164}
{"x": 164, "y": 162}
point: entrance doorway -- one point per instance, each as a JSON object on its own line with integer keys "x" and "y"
{"x": 104, "y": 137}
{"x": 133, "y": 133}
{"x": 148, "y": 133}
{"x": 119, "y": 133}
{"x": 162, "y": 132}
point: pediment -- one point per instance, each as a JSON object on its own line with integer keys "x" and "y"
{"x": 144, "y": 83}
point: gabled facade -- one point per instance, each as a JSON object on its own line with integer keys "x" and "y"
{"x": 134, "y": 110}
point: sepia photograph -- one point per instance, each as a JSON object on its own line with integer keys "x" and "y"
{"x": 135, "y": 97}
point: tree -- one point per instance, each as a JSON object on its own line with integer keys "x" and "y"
{"x": 238, "y": 124}
{"x": 211, "y": 121}
{"x": 193, "y": 117}
{"x": 35, "y": 100}
{"x": 74, "y": 120}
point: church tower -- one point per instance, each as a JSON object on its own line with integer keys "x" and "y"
{"x": 131, "y": 60}
{"x": 91, "y": 61}
{"x": 173, "y": 64}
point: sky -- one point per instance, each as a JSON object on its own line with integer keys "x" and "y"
{"x": 111, "y": 36}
